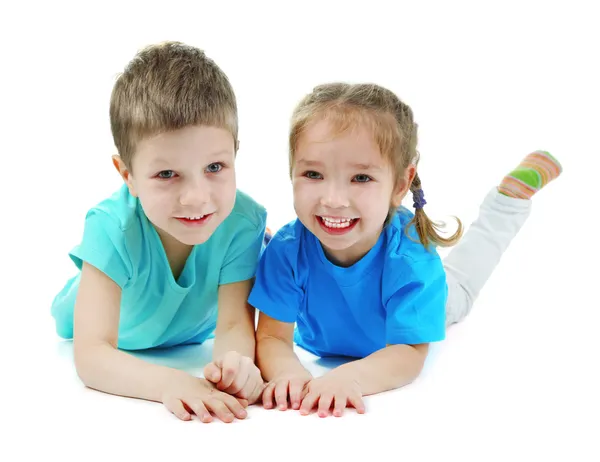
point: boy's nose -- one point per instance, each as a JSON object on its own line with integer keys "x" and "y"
{"x": 195, "y": 192}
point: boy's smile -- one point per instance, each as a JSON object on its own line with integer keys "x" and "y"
{"x": 185, "y": 181}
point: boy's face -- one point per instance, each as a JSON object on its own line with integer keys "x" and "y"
{"x": 343, "y": 190}
{"x": 185, "y": 181}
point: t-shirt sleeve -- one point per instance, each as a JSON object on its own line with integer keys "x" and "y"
{"x": 103, "y": 246}
{"x": 243, "y": 253}
{"x": 416, "y": 309}
{"x": 276, "y": 291}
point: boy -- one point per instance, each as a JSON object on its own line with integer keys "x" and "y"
{"x": 174, "y": 246}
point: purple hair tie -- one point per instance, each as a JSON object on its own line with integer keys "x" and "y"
{"x": 419, "y": 199}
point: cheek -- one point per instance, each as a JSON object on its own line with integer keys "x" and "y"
{"x": 374, "y": 202}
{"x": 304, "y": 194}
{"x": 223, "y": 189}
{"x": 156, "y": 198}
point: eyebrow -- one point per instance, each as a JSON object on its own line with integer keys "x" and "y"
{"x": 359, "y": 166}
{"x": 166, "y": 160}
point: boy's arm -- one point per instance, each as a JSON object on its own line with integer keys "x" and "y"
{"x": 235, "y": 321}
{"x": 100, "y": 365}
{"x": 389, "y": 368}
{"x": 232, "y": 369}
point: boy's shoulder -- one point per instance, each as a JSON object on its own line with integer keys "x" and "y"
{"x": 119, "y": 210}
{"x": 246, "y": 212}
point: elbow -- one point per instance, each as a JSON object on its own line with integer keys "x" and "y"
{"x": 408, "y": 363}
{"x": 86, "y": 357}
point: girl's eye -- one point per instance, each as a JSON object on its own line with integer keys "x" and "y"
{"x": 166, "y": 174}
{"x": 313, "y": 175}
{"x": 214, "y": 168}
{"x": 361, "y": 178}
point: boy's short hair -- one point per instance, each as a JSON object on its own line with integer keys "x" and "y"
{"x": 168, "y": 86}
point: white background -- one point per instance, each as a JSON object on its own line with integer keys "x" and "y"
{"x": 489, "y": 82}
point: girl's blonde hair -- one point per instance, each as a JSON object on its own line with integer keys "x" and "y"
{"x": 347, "y": 106}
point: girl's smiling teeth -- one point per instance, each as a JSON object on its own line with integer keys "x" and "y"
{"x": 337, "y": 222}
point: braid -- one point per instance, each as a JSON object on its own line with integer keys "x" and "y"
{"x": 427, "y": 230}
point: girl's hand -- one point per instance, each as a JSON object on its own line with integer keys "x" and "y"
{"x": 198, "y": 396}
{"x": 278, "y": 390}
{"x": 237, "y": 375}
{"x": 335, "y": 388}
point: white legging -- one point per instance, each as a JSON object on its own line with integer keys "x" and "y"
{"x": 471, "y": 262}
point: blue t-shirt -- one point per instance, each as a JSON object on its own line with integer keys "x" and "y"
{"x": 395, "y": 294}
{"x": 156, "y": 309}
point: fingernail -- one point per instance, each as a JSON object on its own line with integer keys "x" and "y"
{"x": 295, "y": 406}
{"x": 282, "y": 407}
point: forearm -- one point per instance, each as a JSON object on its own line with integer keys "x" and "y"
{"x": 389, "y": 368}
{"x": 276, "y": 357}
{"x": 105, "y": 368}
{"x": 237, "y": 337}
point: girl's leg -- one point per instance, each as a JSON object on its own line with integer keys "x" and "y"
{"x": 502, "y": 214}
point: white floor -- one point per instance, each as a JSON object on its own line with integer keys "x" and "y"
{"x": 518, "y": 380}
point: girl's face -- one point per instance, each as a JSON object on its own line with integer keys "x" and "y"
{"x": 343, "y": 189}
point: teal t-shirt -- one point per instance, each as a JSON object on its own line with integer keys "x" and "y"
{"x": 156, "y": 309}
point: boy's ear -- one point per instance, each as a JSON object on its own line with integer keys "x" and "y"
{"x": 403, "y": 185}
{"x": 124, "y": 172}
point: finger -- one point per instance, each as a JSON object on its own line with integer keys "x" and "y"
{"x": 212, "y": 372}
{"x": 240, "y": 383}
{"x": 268, "y": 396}
{"x": 230, "y": 368}
{"x": 357, "y": 403}
{"x": 325, "y": 404}
{"x": 242, "y": 401}
{"x": 297, "y": 392}
{"x": 235, "y": 407}
{"x": 340, "y": 402}
{"x": 177, "y": 408}
{"x": 218, "y": 408}
{"x": 309, "y": 402}
{"x": 281, "y": 394}
{"x": 200, "y": 410}
{"x": 256, "y": 393}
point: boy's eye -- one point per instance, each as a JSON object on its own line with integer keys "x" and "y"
{"x": 214, "y": 168}
{"x": 362, "y": 178}
{"x": 166, "y": 174}
{"x": 313, "y": 175}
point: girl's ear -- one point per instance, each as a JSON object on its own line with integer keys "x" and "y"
{"x": 403, "y": 185}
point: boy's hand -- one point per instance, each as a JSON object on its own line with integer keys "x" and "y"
{"x": 281, "y": 388}
{"x": 335, "y": 388}
{"x": 237, "y": 375}
{"x": 198, "y": 396}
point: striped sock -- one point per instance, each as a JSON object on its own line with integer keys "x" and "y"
{"x": 533, "y": 173}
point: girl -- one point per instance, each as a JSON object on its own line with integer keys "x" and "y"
{"x": 358, "y": 273}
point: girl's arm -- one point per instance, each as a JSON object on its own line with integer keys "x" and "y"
{"x": 279, "y": 364}
{"x": 275, "y": 348}
{"x": 389, "y": 368}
